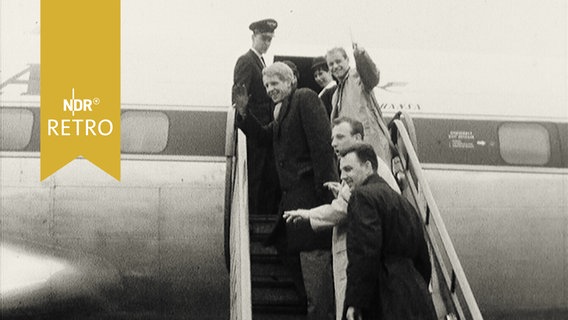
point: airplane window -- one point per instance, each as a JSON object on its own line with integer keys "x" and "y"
{"x": 15, "y": 129}
{"x": 524, "y": 143}
{"x": 144, "y": 132}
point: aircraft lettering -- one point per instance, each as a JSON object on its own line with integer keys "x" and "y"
{"x": 400, "y": 106}
{"x": 461, "y": 139}
{"x": 32, "y": 81}
{"x": 459, "y": 144}
{"x": 461, "y": 135}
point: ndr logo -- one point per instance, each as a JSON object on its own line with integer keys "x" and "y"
{"x": 83, "y": 127}
{"x": 76, "y": 105}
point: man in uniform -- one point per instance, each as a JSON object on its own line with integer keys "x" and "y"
{"x": 263, "y": 184}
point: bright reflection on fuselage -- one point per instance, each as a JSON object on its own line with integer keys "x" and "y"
{"x": 20, "y": 269}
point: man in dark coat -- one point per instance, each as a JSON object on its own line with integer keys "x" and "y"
{"x": 262, "y": 177}
{"x": 300, "y": 136}
{"x": 389, "y": 264}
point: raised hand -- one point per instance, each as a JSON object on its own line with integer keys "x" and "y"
{"x": 333, "y": 186}
{"x": 357, "y": 49}
{"x": 240, "y": 98}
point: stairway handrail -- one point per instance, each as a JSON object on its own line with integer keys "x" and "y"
{"x": 240, "y": 277}
{"x": 230, "y": 154}
{"x": 464, "y": 303}
{"x": 236, "y": 229}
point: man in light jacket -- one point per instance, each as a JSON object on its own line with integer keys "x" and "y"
{"x": 354, "y": 97}
{"x": 345, "y": 133}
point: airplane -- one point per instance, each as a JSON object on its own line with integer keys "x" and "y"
{"x": 82, "y": 245}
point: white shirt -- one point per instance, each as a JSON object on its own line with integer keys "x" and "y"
{"x": 259, "y": 55}
{"x": 329, "y": 85}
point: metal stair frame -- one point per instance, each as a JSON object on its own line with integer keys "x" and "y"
{"x": 451, "y": 279}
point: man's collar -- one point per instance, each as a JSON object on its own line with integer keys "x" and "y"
{"x": 330, "y": 84}
{"x": 256, "y": 52}
{"x": 371, "y": 178}
{"x": 340, "y": 81}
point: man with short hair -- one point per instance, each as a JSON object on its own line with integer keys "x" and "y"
{"x": 389, "y": 263}
{"x": 345, "y": 133}
{"x": 263, "y": 192}
{"x": 324, "y": 79}
{"x": 354, "y": 96}
{"x": 300, "y": 136}
{"x": 295, "y": 71}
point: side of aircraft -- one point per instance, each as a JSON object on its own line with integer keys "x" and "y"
{"x": 500, "y": 183}
{"x": 160, "y": 229}
{"x": 492, "y": 133}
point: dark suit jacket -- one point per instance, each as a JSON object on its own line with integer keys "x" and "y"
{"x": 264, "y": 193}
{"x": 326, "y": 96}
{"x": 389, "y": 264}
{"x": 248, "y": 71}
{"x": 301, "y": 138}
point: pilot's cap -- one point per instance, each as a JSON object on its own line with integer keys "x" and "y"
{"x": 262, "y": 26}
{"x": 319, "y": 63}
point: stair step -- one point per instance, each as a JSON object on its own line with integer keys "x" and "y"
{"x": 272, "y": 282}
{"x": 274, "y": 295}
{"x": 266, "y": 259}
{"x": 264, "y": 229}
{"x": 261, "y": 224}
{"x": 258, "y": 237}
{"x": 262, "y": 312}
{"x": 269, "y": 269}
{"x": 263, "y": 218}
{"x": 287, "y": 296}
{"x": 257, "y": 248}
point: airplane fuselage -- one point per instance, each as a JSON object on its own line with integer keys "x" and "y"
{"x": 161, "y": 227}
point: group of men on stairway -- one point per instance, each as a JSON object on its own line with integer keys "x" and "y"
{"x": 322, "y": 165}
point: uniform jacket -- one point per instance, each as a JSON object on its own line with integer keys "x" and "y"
{"x": 264, "y": 192}
{"x": 354, "y": 98}
{"x": 389, "y": 264}
{"x": 248, "y": 71}
{"x": 301, "y": 138}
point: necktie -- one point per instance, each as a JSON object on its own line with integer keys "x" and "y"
{"x": 339, "y": 97}
{"x": 277, "y": 110}
{"x": 263, "y": 63}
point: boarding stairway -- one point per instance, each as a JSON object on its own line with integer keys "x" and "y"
{"x": 274, "y": 294}
{"x": 260, "y": 286}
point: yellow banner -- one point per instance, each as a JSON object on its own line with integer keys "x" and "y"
{"x": 80, "y": 84}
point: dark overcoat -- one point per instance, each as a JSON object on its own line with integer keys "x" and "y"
{"x": 264, "y": 192}
{"x": 389, "y": 264}
{"x": 301, "y": 138}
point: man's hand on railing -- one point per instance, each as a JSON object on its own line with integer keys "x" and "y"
{"x": 398, "y": 172}
{"x": 240, "y": 99}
